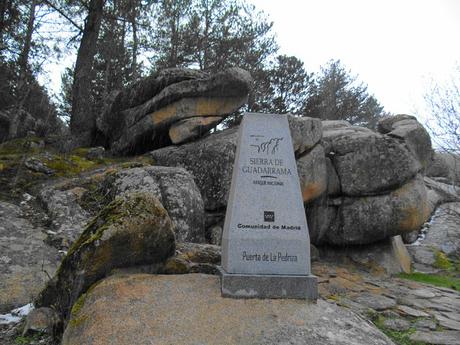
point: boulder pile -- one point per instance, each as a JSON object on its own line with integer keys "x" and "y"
{"x": 173, "y": 106}
{"x": 359, "y": 186}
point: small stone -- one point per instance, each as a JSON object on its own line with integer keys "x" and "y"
{"x": 36, "y": 165}
{"x": 448, "y": 323}
{"x": 425, "y": 324}
{"x": 410, "y": 237}
{"x": 95, "y": 153}
{"x": 440, "y": 338}
{"x": 390, "y": 314}
{"x": 424, "y": 293}
{"x": 376, "y": 302}
{"x": 397, "y": 324}
{"x": 404, "y": 309}
{"x": 41, "y": 320}
{"x": 216, "y": 235}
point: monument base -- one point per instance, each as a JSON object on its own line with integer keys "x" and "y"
{"x": 268, "y": 286}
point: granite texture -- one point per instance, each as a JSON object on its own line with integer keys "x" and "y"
{"x": 269, "y": 286}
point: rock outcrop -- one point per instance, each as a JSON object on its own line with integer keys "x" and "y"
{"x": 359, "y": 186}
{"x": 407, "y": 129}
{"x": 174, "y": 188}
{"x": 210, "y": 160}
{"x": 132, "y": 230}
{"x": 440, "y": 242}
{"x": 189, "y": 309}
{"x": 25, "y": 260}
{"x": 172, "y": 106}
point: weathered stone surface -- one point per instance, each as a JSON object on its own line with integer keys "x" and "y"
{"x": 439, "y": 338}
{"x": 312, "y": 171}
{"x": 438, "y": 167}
{"x": 425, "y": 324}
{"x": 192, "y": 128}
{"x": 401, "y": 254}
{"x": 269, "y": 286}
{"x": 442, "y": 234}
{"x": 145, "y": 125}
{"x": 25, "y": 260}
{"x": 406, "y": 310}
{"x": 174, "y": 188}
{"x": 333, "y": 181}
{"x": 397, "y": 324}
{"x": 321, "y": 219}
{"x": 334, "y": 124}
{"x": 448, "y": 323}
{"x": 36, "y": 165}
{"x": 130, "y": 231}
{"x": 414, "y": 135}
{"x": 368, "y": 163}
{"x": 194, "y": 258}
{"x": 180, "y": 303}
{"x": 42, "y": 320}
{"x": 376, "y": 302}
{"x": 95, "y": 153}
{"x": 444, "y": 192}
{"x": 68, "y": 219}
{"x": 139, "y": 93}
{"x": 388, "y": 256}
{"x": 210, "y": 160}
{"x": 306, "y": 132}
{"x": 369, "y": 219}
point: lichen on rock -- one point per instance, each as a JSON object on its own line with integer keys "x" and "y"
{"x": 130, "y": 231}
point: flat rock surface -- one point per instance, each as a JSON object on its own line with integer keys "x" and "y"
{"x": 25, "y": 260}
{"x": 189, "y": 309}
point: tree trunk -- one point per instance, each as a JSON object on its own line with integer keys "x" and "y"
{"x": 3, "y": 7}
{"x": 83, "y": 121}
{"x": 24, "y": 55}
{"x": 134, "y": 71}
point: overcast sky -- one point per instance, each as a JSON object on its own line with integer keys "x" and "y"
{"x": 395, "y": 46}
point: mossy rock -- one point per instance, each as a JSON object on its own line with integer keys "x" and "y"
{"x": 130, "y": 231}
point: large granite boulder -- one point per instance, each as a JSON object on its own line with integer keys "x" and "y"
{"x": 210, "y": 160}
{"x": 359, "y": 186}
{"x": 174, "y": 188}
{"x": 366, "y": 162}
{"x": 438, "y": 166}
{"x": 411, "y": 133}
{"x": 369, "y": 219}
{"x": 373, "y": 187}
{"x": 174, "y": 105}
{"x": 189, "y": 309}
{"x": 132, "y": 230}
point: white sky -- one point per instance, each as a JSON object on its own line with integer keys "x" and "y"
{"x": 395, "y": 46}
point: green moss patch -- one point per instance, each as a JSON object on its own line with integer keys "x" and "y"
{"x": 442, "y": 280}
{"x": 442, "y": 261}
{"x": 398, "y": 337}
{"x": 20, "y": 146}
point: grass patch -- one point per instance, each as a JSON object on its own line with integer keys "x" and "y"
{"x": 446, "y": 280}
{"x": 26, "y": 340}
{"x": 398, "y": 337}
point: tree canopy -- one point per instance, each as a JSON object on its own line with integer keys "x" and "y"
{"x": 116, "y": 42}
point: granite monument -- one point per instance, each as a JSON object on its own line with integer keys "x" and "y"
{"x": 265, "y": 244}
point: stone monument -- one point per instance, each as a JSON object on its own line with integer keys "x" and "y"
{"x": 265, "y": 244}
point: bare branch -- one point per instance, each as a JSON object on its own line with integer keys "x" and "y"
{"x": 62, "y": 13}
